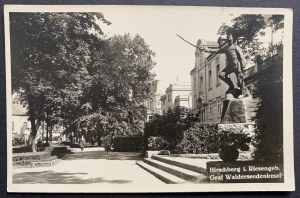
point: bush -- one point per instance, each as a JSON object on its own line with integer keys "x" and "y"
{"x": 200, "y": 138}
{"x": 169, "y": 126}
{"x": 127, "y": 143}
{"x": 157, "y": 143}
{"x": 269, "y": 116}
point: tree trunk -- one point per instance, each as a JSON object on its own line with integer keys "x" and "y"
{"x": 99, "y": 138}
{"x": 34, "y": 125}
{"x": 47, "y": 131}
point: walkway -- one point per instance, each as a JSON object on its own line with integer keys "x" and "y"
{"x": 89, "y": 166}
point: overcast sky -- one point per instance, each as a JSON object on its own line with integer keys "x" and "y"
{"x": 159, "y": 26}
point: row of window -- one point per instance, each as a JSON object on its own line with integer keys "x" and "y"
{"x": 210, "y": 77}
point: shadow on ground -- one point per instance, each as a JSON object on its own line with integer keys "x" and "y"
{"x": 51, "y": 177}
{"x": 102, "y": 155}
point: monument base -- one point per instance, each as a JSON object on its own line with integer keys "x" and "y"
{"x": 237, "y": 110}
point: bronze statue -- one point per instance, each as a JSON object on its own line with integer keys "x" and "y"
{"x": 236, "y": 62}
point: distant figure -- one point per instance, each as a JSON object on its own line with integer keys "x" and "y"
{"x": 106, "y": 143}
{"x": 236, "y": 62}
{"x": 82, "y": 142}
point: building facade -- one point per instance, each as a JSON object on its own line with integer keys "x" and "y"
{"x": 153, "y": 104}
{"x": 21, "y": 126}
{"x": 176, "y": 95}
{"x": 208, "y": 91}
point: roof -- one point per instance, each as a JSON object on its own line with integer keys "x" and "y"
{"x": 202, "y": 42}
{"x": 19, "y": 109}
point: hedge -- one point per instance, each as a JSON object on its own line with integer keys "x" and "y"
{"x": 22, "y": 149}
{"x": 127, "y": 143}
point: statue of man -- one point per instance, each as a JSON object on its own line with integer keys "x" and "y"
{"x": 236, "y": 62}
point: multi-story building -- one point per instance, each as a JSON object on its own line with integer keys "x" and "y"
{"x": 153, "y": 104}
{"x": 208, "y": 92}
{"x": 176, "y": 95}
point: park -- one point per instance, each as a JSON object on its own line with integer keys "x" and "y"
{"x": 79, "y": 113}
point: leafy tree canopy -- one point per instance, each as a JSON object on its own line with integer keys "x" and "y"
{"x": 49, "y": 53}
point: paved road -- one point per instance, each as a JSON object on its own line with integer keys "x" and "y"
{"x": 90, "y": 166}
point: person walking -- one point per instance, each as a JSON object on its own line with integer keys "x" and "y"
{"x": 82, "y": 142}
{"x": 107, "y": 143}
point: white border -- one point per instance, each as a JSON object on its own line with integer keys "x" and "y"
{"x": 289, "y": 183}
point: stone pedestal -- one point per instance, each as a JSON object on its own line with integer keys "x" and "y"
{"x": 237, "y": 110}
{"x": 236, "y": 117}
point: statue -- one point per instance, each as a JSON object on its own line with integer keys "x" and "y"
{"x": 236, "y": 62}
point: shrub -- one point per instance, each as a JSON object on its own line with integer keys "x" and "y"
{"x": 127, "y": 143}
{"x": 200, "y": 138}
{"x": 234, "y": 140}
{"x": 157, "y": 143}
{"x": 269, "y": 116}
{"x": 169, "y": 126}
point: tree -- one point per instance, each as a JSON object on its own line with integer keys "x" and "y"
{"x": 247, "y": 28}
{"x": 49, "y": 53}
{"x": 269, "y": 116}
{"x": 120, "y": 72}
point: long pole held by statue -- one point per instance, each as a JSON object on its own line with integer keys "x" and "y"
{"x": 195, "y": 45}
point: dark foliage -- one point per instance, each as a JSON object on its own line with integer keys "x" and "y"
{"x": 127, "y": 143}
{"x": 169, "y": 126}
{"x": 269, "y": 117}
{"x": 157, "y": 143}
{"x": 200, "y": 138}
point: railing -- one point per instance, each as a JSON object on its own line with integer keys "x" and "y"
{"x": 270, "y": 56}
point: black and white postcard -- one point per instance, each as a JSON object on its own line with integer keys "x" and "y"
{"x": 148, "y": 98}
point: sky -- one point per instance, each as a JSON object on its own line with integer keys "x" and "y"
{"x": 158, "y": 25}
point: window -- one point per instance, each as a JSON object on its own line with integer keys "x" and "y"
{"x": 25, "y": 125}
{"x": 210, "y": 110}
{"x": 209, "y": 80}
{"x": 195, "y": 83}
{"x": 169, "y": 98}
{"x": 217, "y": 61}
{"x": 217, "y": 74}
{"x": 201, "y": 83}
{"x": 219, "y": 107}
{"x": 13, "y": 125}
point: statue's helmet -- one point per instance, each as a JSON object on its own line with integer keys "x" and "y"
{"x": 221, "y": 41}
